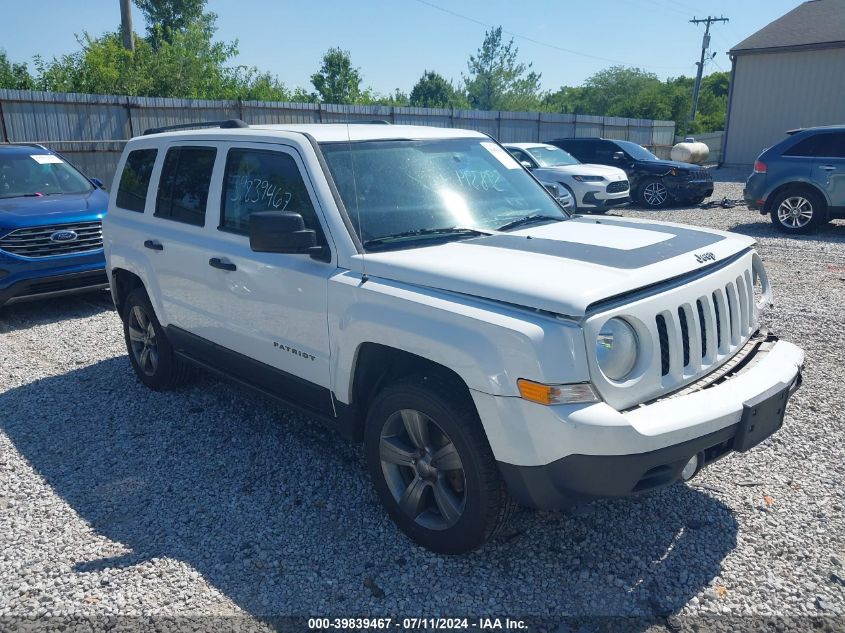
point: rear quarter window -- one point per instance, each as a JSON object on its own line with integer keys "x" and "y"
{"x": 183, "y": 186}
{"x": 806, "y": 147}
{"x": 135, "y": 179}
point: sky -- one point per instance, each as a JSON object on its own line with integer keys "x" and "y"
{"x": 394, "y": 41}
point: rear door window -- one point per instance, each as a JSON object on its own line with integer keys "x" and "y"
{"x": 135, "y": 179}
{"x": 183, "y": 186}
{"x": 582, "y": 150}
{"x": 604, "y": 151}
{"x": 832, "y": 145}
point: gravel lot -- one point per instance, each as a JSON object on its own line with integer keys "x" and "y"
{"x": 212, "y": 501}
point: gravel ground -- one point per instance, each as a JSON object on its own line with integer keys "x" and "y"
{"x": 210, "y": 501}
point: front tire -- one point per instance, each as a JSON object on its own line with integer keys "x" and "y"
{"x": 798, "y": 210}
{"x": 652, "y": 193}
{"x": 432, "y": 467}
{"x": 150, "y": 353}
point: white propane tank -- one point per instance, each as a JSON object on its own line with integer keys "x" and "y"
{"x": 690, "y": 151}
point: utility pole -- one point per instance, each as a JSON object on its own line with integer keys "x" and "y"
{"x": 126, "y": 24}
{"x": 705, "y": 45}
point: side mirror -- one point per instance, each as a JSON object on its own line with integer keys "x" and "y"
{"x": 280, "y": 232}
{"x": 526, "y": 164}
{"x": 552, "y": 189}
{"x": 98, "y": 183}
{"x": 618, "y": 155}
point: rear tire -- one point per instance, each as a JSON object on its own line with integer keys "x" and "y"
{"x": 150, "y": 353}
{"x": 798, "y": 210}
{"x": 432, "y": 467}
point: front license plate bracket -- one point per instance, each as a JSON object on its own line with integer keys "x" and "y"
{"x": 761, "y": 417}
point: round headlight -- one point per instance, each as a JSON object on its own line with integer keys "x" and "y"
{"x": 616, "y": 349}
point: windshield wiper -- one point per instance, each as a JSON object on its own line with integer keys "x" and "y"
{"x": 424, "y": 233}
{"x": 24, "y": 195}
{"x": 531, "y": 219}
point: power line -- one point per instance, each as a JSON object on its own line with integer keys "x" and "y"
{"x": 538, "y": 42}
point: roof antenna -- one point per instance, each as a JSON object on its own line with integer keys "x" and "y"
{"x": 364, "y": 277}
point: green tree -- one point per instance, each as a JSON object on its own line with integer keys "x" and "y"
{"x": 337, "y": 81}
{"x": 168, "y": 17}
{"x": 634, "y": 93}
{"x": 191, "y": 65}
{"x": 14, "y": 76}
{"x": 432, "y": 90}
{"x": 497, "y": 80}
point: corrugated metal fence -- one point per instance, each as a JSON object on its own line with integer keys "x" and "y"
{"x": 92, "y": 129}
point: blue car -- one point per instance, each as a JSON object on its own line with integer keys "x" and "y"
{"x": 51, "y": 240}
{"x": 800, "y": 181}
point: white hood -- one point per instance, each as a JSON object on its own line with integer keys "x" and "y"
{"x": 562, "y": 267}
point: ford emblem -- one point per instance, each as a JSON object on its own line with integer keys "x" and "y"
{"x": 63, "y": 236}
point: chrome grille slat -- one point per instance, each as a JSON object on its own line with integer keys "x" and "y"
{"x": 743, "y": 306}
{"x": 733, "y": 312}
{"x": 676, "y": 354}
{"x": 693, "y": 339}
{"x": 711, "y": 329}
{"x": 749, "y": 291}
{"x": 35, "y": 242}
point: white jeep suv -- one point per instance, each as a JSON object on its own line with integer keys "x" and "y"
{"x": 418, "y": 290}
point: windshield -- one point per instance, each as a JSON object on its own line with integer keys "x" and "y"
{"x": 38, "y": 174}
{"x": 407, "y": 186}
{"x": 552, "y": 156}
{"x": 637, "y": 152}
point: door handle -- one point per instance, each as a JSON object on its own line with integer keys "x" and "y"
{"x": 216, "y": 262}
{"x": 154, "y": 245}
{"x": 827, "y": 167}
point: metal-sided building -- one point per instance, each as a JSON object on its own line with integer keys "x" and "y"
{"x": 789, "y": 74}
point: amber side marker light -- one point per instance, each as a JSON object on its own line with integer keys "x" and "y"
{"x": 579, "y": 393}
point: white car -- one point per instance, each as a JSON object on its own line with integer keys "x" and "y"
{"x": 595, "y": 188}
{"x": 419, "y": 291}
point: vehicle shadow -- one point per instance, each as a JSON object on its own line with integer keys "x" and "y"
{"x": 831, "y": 232}
{"x": 21, "y": 316}
{"x": 276, "y": 513}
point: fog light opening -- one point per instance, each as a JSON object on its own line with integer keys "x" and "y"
{"x": 691, "y": 468}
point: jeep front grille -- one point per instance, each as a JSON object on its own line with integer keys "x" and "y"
{"x": 36, "y": 241}
{"x": 685, "y": 332}
{"x": 728, "y": 309}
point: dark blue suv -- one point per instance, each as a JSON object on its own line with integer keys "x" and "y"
{"x": 800, "y": 181}
{"x": 51, "y": 239}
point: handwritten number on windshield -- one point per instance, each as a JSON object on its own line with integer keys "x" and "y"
{"x": 250, "y": 190}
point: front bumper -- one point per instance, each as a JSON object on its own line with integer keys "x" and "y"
{"x": 23, "y": 279}
{"x": 54, "y": 286}
{"x": 553, "y": 457}
{"x": 689, "y": 189}
{"x": 595, "y": 200}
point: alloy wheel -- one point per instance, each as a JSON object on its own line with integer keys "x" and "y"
{"x": 795, "y": 212}
{"x": 655, "y": 194}
{"x": 423, "y": 470}
{"x": 142, "y": 337}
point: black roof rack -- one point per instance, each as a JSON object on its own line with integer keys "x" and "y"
{"x": 365, "y": 122}
{"x": 228, "y": 123}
